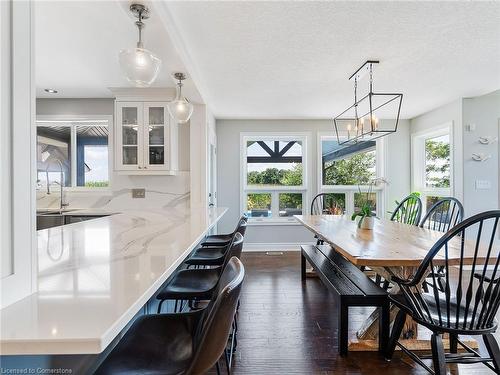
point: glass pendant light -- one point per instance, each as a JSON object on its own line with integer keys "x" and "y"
{"x": 139, "y": 65}
{"x": 180, "y": 108}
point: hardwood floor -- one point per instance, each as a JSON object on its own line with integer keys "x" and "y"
{"x": 286, "y": 327}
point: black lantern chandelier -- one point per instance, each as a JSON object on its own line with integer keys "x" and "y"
{"x": 362, "y": 121}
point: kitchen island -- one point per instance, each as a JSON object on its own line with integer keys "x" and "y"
{"x": 95, "y": 276}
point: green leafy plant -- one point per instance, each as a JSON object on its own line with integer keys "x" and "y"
{"x": 366, "y": 206}
{"x": 364, "y": 212}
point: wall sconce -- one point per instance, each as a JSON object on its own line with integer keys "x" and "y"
{"x": 487, "y": 140}
{"x": 480, "y": 157}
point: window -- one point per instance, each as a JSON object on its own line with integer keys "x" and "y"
{"x": 432, "y": 164}
{"x": 259, "y": 205}
{"x": 273, "y": 176}
{"x": 329, "y": 204}
{"x": 347, "y": 169}
{"x": 76, "y": 149}
{"x": 437, "y": 162}
{"x": 361, "y": 198}
{"x": 343, "y": 171}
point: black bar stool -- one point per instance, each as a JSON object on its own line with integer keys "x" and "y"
{"x": 182, "y": 343}
{"x": 214, "y": 256}
{"x": 198, "y": 284}
{"x": 220, "y": 240}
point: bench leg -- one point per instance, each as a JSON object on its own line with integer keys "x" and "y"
{"x": 343, "y": 329}
{"x": 302, "y": 266}
{"x": 384, "y": 327}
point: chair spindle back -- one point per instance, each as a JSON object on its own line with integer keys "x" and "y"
{"x": 470, "y": 256}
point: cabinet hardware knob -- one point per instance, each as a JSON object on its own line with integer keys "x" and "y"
{"x": 145, "y": 167}
{"x": 139, "y": 167}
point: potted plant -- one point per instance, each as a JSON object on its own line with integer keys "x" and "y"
{"x": 366, "y": 213}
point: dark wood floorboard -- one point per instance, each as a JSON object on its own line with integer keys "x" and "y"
{"x": 286, "y": 327}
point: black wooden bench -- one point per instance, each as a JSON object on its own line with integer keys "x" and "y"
{"x": 351, "y": 288}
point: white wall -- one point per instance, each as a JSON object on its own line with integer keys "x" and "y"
{"x": 484, "y": 113}
{"x": 228, "y": 172}
{"x": 159, "y": 189}
{"x": 397, "y": 165}
{"x": 199, "y": 124}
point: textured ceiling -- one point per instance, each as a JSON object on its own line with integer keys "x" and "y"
{"x": 292, "y": 59}
{"x": 77, "y": 45}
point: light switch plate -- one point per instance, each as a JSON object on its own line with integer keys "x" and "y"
{"x": 483, "y": 184}
{"x": 470, "y": 127}
{"x": 138, "y": 193}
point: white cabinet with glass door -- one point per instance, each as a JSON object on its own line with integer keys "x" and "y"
{"x": 145, "y": 140}
{"x": 129, "y": 120}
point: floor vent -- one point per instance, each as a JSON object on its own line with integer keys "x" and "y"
{"x": 274, "y": 253}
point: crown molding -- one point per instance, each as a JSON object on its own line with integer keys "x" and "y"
{"x": 143, "y": 93}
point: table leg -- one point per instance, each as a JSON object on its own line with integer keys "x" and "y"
{"x": 368, "y": 334}
{"x": 369, "y": 330}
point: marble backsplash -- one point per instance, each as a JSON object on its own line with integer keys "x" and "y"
{"x": 161, "y": 191}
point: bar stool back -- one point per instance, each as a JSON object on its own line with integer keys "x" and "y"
{"x": 188, "y": 343}
{"x": 218, "y": 240}
{"x": 215, "y": 328}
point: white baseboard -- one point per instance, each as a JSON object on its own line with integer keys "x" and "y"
{"x": 259, "y": 247}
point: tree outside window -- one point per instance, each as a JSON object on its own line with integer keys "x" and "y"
{"x": 345, "y": 171}
{"x": 358, "y": 169}
{"x": 437, "y": 162}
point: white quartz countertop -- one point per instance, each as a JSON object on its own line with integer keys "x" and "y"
{"x": 94, "y": 276}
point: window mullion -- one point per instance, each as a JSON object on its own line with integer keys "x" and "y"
{"x": 275, "y": 209}
{"x": 349, "y": 202}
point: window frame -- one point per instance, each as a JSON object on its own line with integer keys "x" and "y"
{"x": 73, "y": 122}
{"x": 303, "y": 189}
{"x": 418, "y": 162}
{"x": 350, "y": 190}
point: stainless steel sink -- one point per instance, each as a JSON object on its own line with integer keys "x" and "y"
{"x": 51, "y": 211}
{"x": 49, "y": 220}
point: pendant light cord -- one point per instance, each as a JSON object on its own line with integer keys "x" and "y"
{"x": 371, "y": 78}
{"x": 356, "y": 100}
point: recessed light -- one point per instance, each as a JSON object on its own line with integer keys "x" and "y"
{"x": 51, "y": 91}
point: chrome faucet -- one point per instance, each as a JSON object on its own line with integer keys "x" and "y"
{"x": 62, "y": 201}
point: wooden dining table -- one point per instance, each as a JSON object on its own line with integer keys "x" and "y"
{"x": 390, "y": 248}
